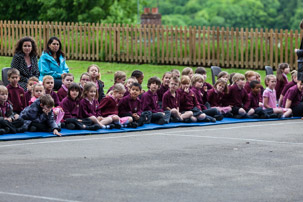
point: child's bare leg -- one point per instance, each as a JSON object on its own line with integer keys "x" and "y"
{"x": 96, "y": 121}
{"x": 175, "y": 113}
{"x": 130, "y": 119}
{"x": 287, "y": 113}
{"x": 201, "y": 117}
{"x": 278, "y": 111}
{"x": 187, "y": 115}
{"x": 106, "y": 121}
{"x": 251, "y": 112}
{"x": 116, "y": 119}
{"x": 242, "y": 111}
{"x": 193, "y": 119}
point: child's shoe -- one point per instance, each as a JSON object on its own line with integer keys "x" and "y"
{"x": 2, "y": 131}
{"x": 33, "y": 129}
{"x": 219, "y": 117}
{"x": 70, "y": 126}
{"x": 228, "y": 115}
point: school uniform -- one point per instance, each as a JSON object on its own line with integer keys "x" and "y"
{"x": 189, "y": 102}
{"x": 215, "y": 98}
{"x": 288, "y": 86}
{"x": 160, "y": 93}
{"x": 87, "y": 108}
{"x": 108, "y": 106}
{"x": 111, "y": 88}
{"x": 205, "y": 93}
{"x": 150, "y": 103}
{"x": 54, "y": 96}
{"x": 62, "y": 92}
{"x": 28, "y": 96}
{"x": 16, "y": 97}
{"x": 34, "y": 116}
{"x": 236, "y": 98}
{"x": 280, "y": 85}
{"x": 71, "y": 108}
{"x": 6, "y": 111}
{"x": 295, "y": 96}
{"x": 100, "y": 90}
{"x": 169, "y": 101}
{"x": 247, "y": 87}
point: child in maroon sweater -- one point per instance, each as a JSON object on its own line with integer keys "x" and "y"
{"x": 249, "y": 76}
{"x": 171, "y": 102}
{"x": 71, "y": 105}
{"x": 119, "y": 77}
{"x": 108, "y": 107}
{"x": 215, "y": 97}
{"x": 88, "y": 106}
{"x": 206, "y": 86}
{"x": 282, "y": 80}
{"x": 293, "y": 82}
{"x": 67, "y": 80}
{"x": 189, "y": 102}
{"x": 197, "y": 82}
{"x": 237, "y": 96}
{"x": 130, "y": 105}
{"x": 9, "y": 122}
{"x": 150, "y": 102}
{"x": 30, "y": 84}
{"x": 48, "y": 83}
{"x": 293, "y": 98}
{"x": 164, "y": 87}
{"x": 15, "y": 92}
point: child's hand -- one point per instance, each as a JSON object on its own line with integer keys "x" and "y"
{"x": 16, "y": 116}
{"x": 186, "y": 89}
{"x": 205, "y": 88}
{"x": 8, "y": 119}
{"x": 46, "y": 111}
{"x": 100, "y": 118}
{"x": 260, "y": 104}
{"x": 302, "y": 117}
{"x": 80, "y": 120}
{"x": 55, "y": 132}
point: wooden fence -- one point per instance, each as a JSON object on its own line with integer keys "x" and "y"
{"x": 192, "y": 46}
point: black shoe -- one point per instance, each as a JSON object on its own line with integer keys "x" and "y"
{"x": 33, "y": 129}
{"x": 254, "y": 116}
{"x": 161, "y": 122}
{"x": 117, "y": 126}
{"x": 219, "y": 117}
{"x": 63, "y": 125}
{"x": 70, "y": 126}
{"x": 93, "y": 127}
{"x": 6, "y": 129}
{"x": 2, "y": 131}
{"x": 208, "y": 119}
{"x": 132, "y": 125}
{"x": 111, "y": 126}
{"x": 20, "y": 130}
{"x": 188, "y": 120}
{"x": 273, "y": 116}
{"x": 228, "y": 115}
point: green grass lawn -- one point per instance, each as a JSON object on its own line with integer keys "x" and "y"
{"x": 108, "y": 69}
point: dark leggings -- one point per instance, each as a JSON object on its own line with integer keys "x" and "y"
{"x": 79, "y": 124}
{"x": 298, "y": 110}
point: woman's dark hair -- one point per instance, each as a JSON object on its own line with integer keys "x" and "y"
{"x": 74, "y": 86}
{"x": 18, "y": 48}
{"x": 59, "y": 52}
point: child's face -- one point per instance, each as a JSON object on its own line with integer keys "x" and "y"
{"x": 252, "y": 78}
{"x": 198, "y": 84}
{"x": 74, "y": 94}
{"x": 173, "y": 86}
{"x": 176, "y": 74}
{"x": 220, "y": 87}
{"x": 68, "y": 80}
{"x": 190, "y": 74}
{"x": 240, "y": 83}
{"x": 225, "y": 78}
{"x": 84, "y": 80}
{"x": 92, "y": 93}
{"x": 129, "y": 82}
{"x": 121, "y": 80}
{"x": 153, "y": 87}
{"x": 140, "y": 79}
{"x": 14, "y": 79}
{"x": 38, "y": 91}
{"x": 286, "y": 70}
{"x": 258, "y": 78}
{"x": 185, "y": 85}
{"x": 272, "y": 83}
{"x": 46, "y": 109}
{"x": 48, "y": 84}
{"x": 300, "y": 85}
{"x": 30, "y": 85}
{"x": 134, "y": 92}
{"x": 94, "y": 72}
{"x": 257, "y": 89}
{"x": 3, "y": 97}
{"x": 204, "y": 76}
{"x": 118, "y": 94}
{"x": 166, "y": 79}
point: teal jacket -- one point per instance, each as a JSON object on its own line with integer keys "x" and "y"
{"x": 49, "y": 66}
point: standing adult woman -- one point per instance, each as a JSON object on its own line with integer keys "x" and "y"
{"x": 25, "y": 60}
{"x": 52, "y": 62}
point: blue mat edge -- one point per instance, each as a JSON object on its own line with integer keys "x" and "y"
{"x": 66, "y": 132}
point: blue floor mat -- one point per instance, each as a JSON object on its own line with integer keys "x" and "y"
{"x": 66, "y": 132}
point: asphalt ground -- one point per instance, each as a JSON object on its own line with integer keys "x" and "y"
{"x": 260, "y": 161}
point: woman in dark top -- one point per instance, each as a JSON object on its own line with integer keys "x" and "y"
{"x": 25, "y": 60}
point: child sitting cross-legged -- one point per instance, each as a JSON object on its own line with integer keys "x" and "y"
{"x": 9, "y": 122}
{"x": 39, "y": 116}
{"x": 171, "y": 102}
{"x": 119, "y": 77}
{"x": 164, "y": 86}
{"x": 108, "y": 107}
{"x": 16, "y": 93}
{"x": 129, "y": 83}
{"x": 189, "y": 102}
{"x": 48, "y": 83}
{"x": 130, "y": 105}
{"x": 67, "y": 80}
{"x": 150, "y": 102}
{"x": 37, "y": 91}
{"x": 71, "y": 105}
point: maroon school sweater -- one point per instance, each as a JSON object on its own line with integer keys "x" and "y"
{"x": 127, "y": 105}
{"x": 108, "y": 106}
{"x": 70, "y": 107}
{"x": 16, "y": 96}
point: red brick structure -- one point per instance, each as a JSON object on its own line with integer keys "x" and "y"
{"x": 151, "y": 17}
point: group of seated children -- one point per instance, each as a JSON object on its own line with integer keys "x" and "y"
{"x": 179, "y": 98}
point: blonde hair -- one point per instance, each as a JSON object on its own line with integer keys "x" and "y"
{"x": 186, "y": 71}
{"x": 35, "y": 86}
{"x": 33, "y": 78}
{"x": 238, "y": 77}
{"x": 293, "y": 73}
{"x": 3, "y": 89}
{"x": 94, "y": 65}
{"x": 47, "y": 77}
{"x": 249, "y": 74}
{"x": 258, "y": 75}
{"x": 185, "y": 79}
{"x": 119, "y": 75}
{"x": 87, "y": 88}
{"x": 268, "y": 78}
{"x": 222, "y": 82}
{"x": 133, "y": 78}
{"x": 195, "y": 78}
{"x": 118, "y": 87}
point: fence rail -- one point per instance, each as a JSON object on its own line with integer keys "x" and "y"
{"x": 193, "y": 46}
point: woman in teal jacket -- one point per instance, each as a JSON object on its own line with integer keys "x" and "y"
{"x": 52, "y": 62}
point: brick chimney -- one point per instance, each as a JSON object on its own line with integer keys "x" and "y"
{"x": 151, "y": 17}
